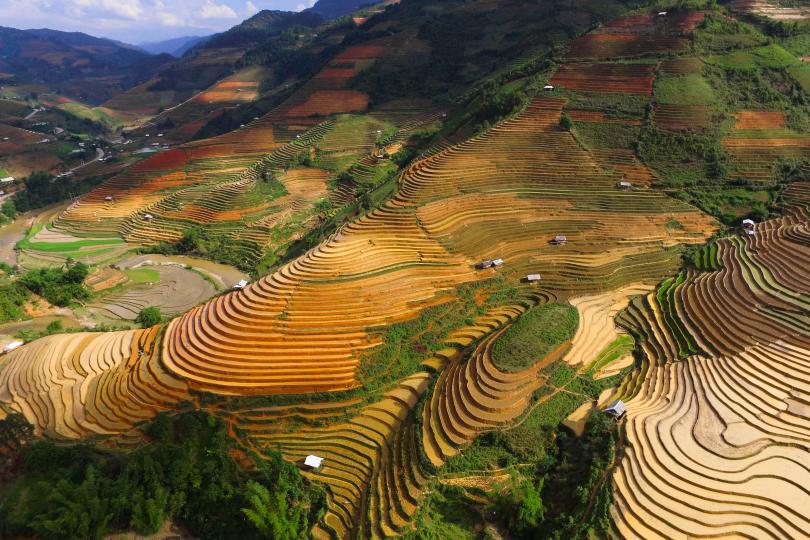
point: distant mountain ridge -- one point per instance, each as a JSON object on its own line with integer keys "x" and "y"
{"x": 176, "y": 47}
{"x": 66, "y": 61}
{"x": 332, "y": 9}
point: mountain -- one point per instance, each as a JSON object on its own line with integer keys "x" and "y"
{"x": 176, "y": 47}
{"x": 76, "y": 64}
{"x": 332, "y": 9}
{"x": 262, "y": 26}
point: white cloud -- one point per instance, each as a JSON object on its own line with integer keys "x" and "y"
{"x": 212, "y": 10}
{"x": 136, "y": 20}
{"x": 169, "y": 19}
{"x": 300, "y": 7}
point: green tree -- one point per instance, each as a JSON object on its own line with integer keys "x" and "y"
{"x": 74, "y": 512}
{"x": 15, "y": 431}
{"x": 566, "y": 123}
{"x": 523, "y": 506}
{"x": 148, "y": 317}
{"x": 272, "y": 515}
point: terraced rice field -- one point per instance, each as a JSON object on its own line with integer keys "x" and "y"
{"x": 682, "y": 117}
{"x": 717, "y": 427}
{"x": 619, "y": 78}
{"x": 637, "y": 35}
{"x": 760, "y": 141}
{"x": 718, "y": 441}
{"x": 230, "y": 92}
{"x": 110, "y": 380}
{"x": 302, "y": 328}
{"x": 175, "y": 290}
{"x": 773, "y": 10}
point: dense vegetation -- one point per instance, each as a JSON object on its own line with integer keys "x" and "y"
{"x": 188, "y": 473}
{"x": 59, "y": 286}
{"x": 42, "y": 189}
{"x": 534, "y": 335}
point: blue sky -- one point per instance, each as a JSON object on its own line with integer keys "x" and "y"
{"x": 135, "y": 21}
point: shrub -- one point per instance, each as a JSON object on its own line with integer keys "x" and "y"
{"x": 148, "y": 317}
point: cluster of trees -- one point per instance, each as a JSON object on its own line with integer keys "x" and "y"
{"x": 569, "y": 493}
{"x": 188, "y": 474}
{"x": 42, "y": 189}
{"x": 199, "y": 242}
{"x": 59, "y": 286}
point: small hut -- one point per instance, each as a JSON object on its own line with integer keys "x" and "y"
{"x": 624, "y": 185}
{"x": 748, "y": 223}
{"x": 531, "y": 278}
{"x": 13, "y": 345}
{"x": 483, "y": 265}
{"x": 108, "y": 198}
{"x": 548, "y": 87}
{"x": 148, "y": 217}
{"x": 497, "y": 262}
{"x": 241, "y": 285}
{"x": 559, "y": 240}
{"x": 313, "y": 462}
{"x": 617, "y": 409}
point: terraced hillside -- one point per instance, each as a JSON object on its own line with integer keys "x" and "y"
{"x": 237, "y": 186}
{"x": 381, "y": 349}
{"x": 717, "y": 441}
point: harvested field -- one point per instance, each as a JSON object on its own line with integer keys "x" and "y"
{"x": 638, "y": 35}
{"x": 328, "y": 102}
{"x": 718, "y": 441}
{"x": 110, "y": 380}
{"x": 772, "y": 10}
{"x": 175, "y": 291}
{"x": 596, "y": 327}
{"x": 619, "y": 78}
{"x": 105, "y": 278}
{"x": 599, "y": 117}
{"x": 682, "y": 117}
{"x": 759, "y": 120}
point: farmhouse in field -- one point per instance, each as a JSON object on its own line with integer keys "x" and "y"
{"x": 748, "y": 223}
{"x": 559, "y": 240}
{"x": 108, "y": 198}
{"x": 148, "y": 217}
{"x": 617, "y": 409}
{"x": 624, "y": 185}
{"x": 533, "y": 277}
{"x": 548, "y": 87}
{"x": 313, "y": 462}
{"x": 6, "y": 180}
{"x": 11, "y": 346}
{"x": 497, "y": 262}
{"x": 241, "y": 285}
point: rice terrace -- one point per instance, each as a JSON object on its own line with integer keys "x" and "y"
{"x": 470, "y": 269}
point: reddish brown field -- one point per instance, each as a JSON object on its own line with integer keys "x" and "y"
{"x": 599, "y": 117}
{"x": 618, "y": 78}
{"x": 759, "y": 120}
{"x": 682, "y": 117}
{"x": 171, "y": 159}
{"x": 360, "y": 52}
{"x": 337, "y": 73}
{"x": 326, "y": 102}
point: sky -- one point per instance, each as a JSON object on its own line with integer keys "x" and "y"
{"x": 136, "y": 21}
